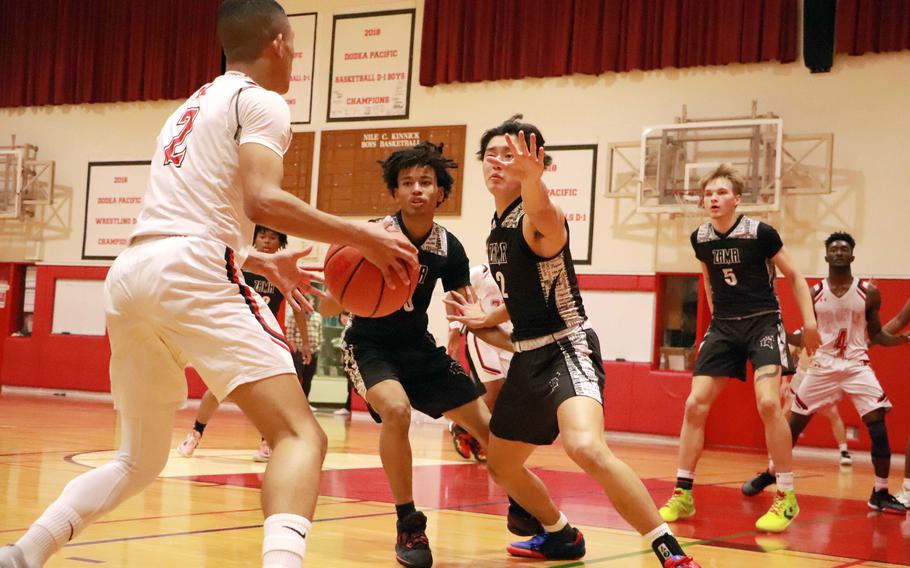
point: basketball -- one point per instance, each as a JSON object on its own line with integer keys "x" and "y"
{"x": 358, "y": 285}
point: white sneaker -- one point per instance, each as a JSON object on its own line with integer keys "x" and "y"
{"x": 845, "y": 458}
{"x": 342, "y": 412}
{"x": 264, "y": 454}
{"x": 189, "y": 444}
{"x": 904, "y": 496}
{"x": 11, "y": 557}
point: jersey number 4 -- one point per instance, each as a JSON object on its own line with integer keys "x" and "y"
{"x": 175, "y": 151}
{"x": 729, "y": 276}
{"x": 841, "y": 342}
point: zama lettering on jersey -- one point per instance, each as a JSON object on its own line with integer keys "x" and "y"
{"x": 726, "y": 256}
{"x": 171, "y": 154}
{"x": 497, "y": 253}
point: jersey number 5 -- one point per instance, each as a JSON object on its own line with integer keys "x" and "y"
{"x": 173, "y": 155}
{"x": 729, "y": 276}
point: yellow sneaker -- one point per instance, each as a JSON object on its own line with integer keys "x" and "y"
{"x": 679, "y": 506}
{"x": 781, "y": 513}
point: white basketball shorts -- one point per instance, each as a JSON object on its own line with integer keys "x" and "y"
{"x": 171, "y": 302}
{"x": 824, "y": 385}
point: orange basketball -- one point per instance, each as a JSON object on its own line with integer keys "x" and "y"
{"x": 358, "y": 285}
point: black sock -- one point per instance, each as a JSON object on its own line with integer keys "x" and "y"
{"x": 666, "y": 546}
{"x": 514, "y": 508}
{"x": 199, "y": 427}
{"x": 405, "y": 510}
{"x": 684, "y": 483}
{"x": 566, "y": 533}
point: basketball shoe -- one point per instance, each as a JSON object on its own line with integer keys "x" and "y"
{"x": 413, "y": 547}
{"x": 480, "y": 454}
{"x": 758, "y": 483}
{"x": 461, "y": 440}
{"x": 681, "y": 505}
{"x": 567, "y": 544}
{"x": 904, "y": 495}
{"x": 522, "y": 523}
{"x": 681, "y": 562}
{"x": 885, "y": 502}
{"x": 845, "y": 458}
{"x": 11, "y": 557}
{"x": 264, "y": 454}
{"x": 781, "y": 513}
{"x": 189, "y": 444}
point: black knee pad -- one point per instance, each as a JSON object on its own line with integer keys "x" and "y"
{"x": 879, "y": 435}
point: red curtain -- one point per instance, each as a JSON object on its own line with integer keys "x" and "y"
{"x": 879, "y": 26}
{"x": 478, "y": 40}
{"x": 97, "y": 51}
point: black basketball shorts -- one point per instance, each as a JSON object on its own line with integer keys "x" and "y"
{"x": 434, "y": 382}
{"x": 728, "y": 344}
{"x": 540, "y": 380}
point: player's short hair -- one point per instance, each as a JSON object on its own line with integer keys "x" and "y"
{"x": 424, "y": 154}
{"x": 725, "y": 171}
{"x": 840, "y": 236}
{"x": 245, "y": 27}
{"x": 282, "y": 238}
{"x": 513, "y": 126}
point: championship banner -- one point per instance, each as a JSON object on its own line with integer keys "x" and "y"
{"x": 370, "y": 75}
{"x": 570, "y": 181}
{"x": 300, "y": 95}
{"x": 112, "y": 203}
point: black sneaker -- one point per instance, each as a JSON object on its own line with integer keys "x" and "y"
{"x": 413, "y": 546}
{"x": 885, "y": 502}
{"x": 522, "y": 523}
{"x": 758, "y": 483}
{"x": 562, "y": 545}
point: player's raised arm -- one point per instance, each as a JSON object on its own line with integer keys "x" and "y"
{"x": 547, "y": 220}
{"x": 811, "y": 338}
{"x": 265, "y": 203}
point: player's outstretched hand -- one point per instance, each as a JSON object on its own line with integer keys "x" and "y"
{"x": 526, "y": 163}
{"x": 468, "y": 310}
{"x": 390, "y": 251}
{"x": 811, "y": 339}
{"x": 293, "y": 281}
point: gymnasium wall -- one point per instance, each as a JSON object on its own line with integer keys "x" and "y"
{"x": 862, "y": 101}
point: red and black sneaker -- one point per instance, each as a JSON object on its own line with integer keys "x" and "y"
{"x": 681, "y": 562}
{"x": 461, "y": 440}
{"x": 413, "y": 546}
{"x": 480, "y": 454}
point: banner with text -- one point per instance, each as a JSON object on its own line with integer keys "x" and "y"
{"x": 370, "y": 76}
{"x": 113, "y": 200}
{"x": 570, "y": 181}
{"x": 300, "y": 95}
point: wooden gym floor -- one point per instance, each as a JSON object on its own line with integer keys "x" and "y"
{"x": 204, "y": 511}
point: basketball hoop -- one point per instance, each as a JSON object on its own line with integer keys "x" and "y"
{"x": 689, "y": 201}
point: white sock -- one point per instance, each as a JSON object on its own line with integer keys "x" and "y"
{"x": 284, "y": 541}
{"x": 685, "y": 474}
{"x": 54, "y": 528}
{"x": 559, "y": 525}
{"x": 842, "y": 447}
{"x": 881, "y": 483}
{"x": 657, "y": 532}
{"x": 784, "y": 481}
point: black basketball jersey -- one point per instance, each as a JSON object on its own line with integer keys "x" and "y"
{"x": 739, "y": 266}
{"x": 541, "y": 294}
{"x": 441, "y": 257}
{"x": 266, "y": 289}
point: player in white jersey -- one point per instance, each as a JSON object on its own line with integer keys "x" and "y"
{"x": 489, "y": 363}
{"x": 847, "y": 313}
{"x": 175, "y": 295}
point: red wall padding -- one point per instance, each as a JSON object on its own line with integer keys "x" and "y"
{"x": 637, "y": 397}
